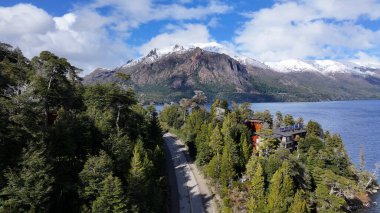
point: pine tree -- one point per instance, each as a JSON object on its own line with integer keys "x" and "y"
{"x": 227, "y": 166}
{"x": 327, "y": 202}
{"x": 213, "y": 168}
{"x": 256, "y": 201}
{"x": 138, "y": 179}
{"x": 246, "y": 147}
{"x": 279, "y": 119}
{"x": 204, "y": 152}
{"x": 137, "y": 170}
{"x": 289, "y": 120}
{"x": 281, "y": 190}
{"x": 216, "y": 141}
{"x": 29, "y": 188}
{"x": 111, "y": 197}
{"x": 251, "y": 166}
{"x": 95, "y": 170}
{"x": 314, "y": 128}
{"x": 299, "y": 204}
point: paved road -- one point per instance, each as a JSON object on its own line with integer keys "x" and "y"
{"x": 189, "y": 191}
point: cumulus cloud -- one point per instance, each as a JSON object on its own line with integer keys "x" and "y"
{"x": 182, "y": 35}
{"x": 364, "y": 59}
{"x": 80, "y": 36}
{"x": 135, "y": 13}
{"x": 309, "y": 29}
{"x": 19, "y": 20}
{"x": 90, "y": 37}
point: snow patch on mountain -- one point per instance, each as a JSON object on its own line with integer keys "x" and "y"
{"x": 325, "y": 67}
{"x": 209, "y": 47}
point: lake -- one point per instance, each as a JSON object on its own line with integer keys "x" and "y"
{"x": 358, "y": 122}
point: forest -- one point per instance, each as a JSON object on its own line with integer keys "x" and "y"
{"x": 316, "y": 177}
{"x": 66, "y": 147}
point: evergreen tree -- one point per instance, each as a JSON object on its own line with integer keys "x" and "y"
{"x": 111, "y": 198}
{"x": 204, "y": 152}
{"x": 227, "y": 171}
{"x": 95, "y": 170}
{"x": 299, "y": 204}
{"x": 314, "y": 128}
{"x": 327, "y": 202}
{"x": 289, "y": 120}
{"x": 251, "y": 166}
{"x": 246, "y": 147}
{"x": 216, "y": 141}
{"x": 213, "y": 168}
{"x": 279, "y": 119}
{"x": 256, "y": 202}
{"x": 28, "y": 189}
{"x": 281, "y": 190}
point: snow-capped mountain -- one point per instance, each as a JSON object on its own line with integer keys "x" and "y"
{"x": 325, "y": 67}
{"x": 172, "y": 73}
{"x": 214, "y": 47}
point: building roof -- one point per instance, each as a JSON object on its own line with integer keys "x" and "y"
{"x": 279, "y": 134}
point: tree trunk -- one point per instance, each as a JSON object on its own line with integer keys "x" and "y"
{"x": 117, "y": 121}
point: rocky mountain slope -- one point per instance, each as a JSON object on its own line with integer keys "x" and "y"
{"x": 173, "y": 73}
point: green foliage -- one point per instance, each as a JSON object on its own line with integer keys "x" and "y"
{"x": 327, "y": 202}
{"x": 265, "y": 116}
{"x": 95, "y": 170}
{"x": 289, "y": 120}
{"x": 279, "y": 119}
{"x": 314, "y": 128}
{"x": 281, "y": 190}
{"x": 299, "y": 204}
{"x": 44, "y": 100}
{"x": 29, "y": 188}
{"x": 310, "y": 141}
{"x": 111, "y": 197}
{"x": 216, "y": 141}
{"x": 204, "y": 151}
{"x": 173, "y": 116}
{"x": 227, "y": 166}
{"x": 257, "y": 202}
{"x": 213, "y": 169}
{"x": 337, "y": 158}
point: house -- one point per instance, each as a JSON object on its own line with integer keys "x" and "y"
{"x": 287, "y": 136}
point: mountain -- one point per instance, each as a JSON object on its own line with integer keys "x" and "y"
{"x": 173, "y": 73}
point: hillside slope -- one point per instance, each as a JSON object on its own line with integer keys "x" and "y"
{"x": 164, "y": 76}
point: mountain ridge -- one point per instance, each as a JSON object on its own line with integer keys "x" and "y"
{"x": 169, "y": 74}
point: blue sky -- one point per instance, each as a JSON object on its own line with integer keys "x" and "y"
{"x": 107, "y": 33}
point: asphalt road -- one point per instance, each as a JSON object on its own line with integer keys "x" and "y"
{"x": 189, "y": 191}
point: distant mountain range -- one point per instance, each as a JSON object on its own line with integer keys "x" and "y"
{"x": 170, "y": 74}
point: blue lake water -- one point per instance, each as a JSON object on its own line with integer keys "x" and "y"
{"x": 358, "y": 122}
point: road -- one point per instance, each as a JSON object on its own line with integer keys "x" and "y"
{"x": 189, "y": 191}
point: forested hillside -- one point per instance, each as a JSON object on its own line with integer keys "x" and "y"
{"x": 70, "y": 148}
{"x": 316, "y": 177}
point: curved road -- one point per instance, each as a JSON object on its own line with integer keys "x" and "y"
{"x": 189, "y": 191}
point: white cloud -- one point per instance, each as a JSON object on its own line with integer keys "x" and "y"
{"x": 65, "y": 22}
{"x": 143, "y": 11}
{"x": 18, "y": 20}
{"x": 364, "y": 59}
{"x": 91, "y": 39}
{"x": 182, "y": 35}
{"x": 79, "y": 36}
{"x": 306, "y": 28}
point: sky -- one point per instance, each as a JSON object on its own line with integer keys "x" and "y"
{"x": 108, "y": 33}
